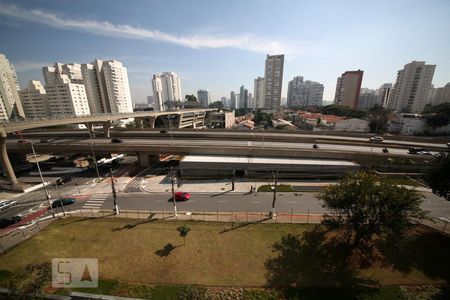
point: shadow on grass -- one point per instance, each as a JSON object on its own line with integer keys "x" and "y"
{"x": 83, "y": 219}
{"x": 133, "y": 225}
{"x": 423, "y": 249}
{"x": 314, "y": 266}
{"x": 240, "y": 225}
{"x": 164, "y": 252}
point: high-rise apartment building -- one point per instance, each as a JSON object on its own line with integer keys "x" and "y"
{"x": 10, "y": 105}
{"x": 368, "y": 98}
{"x": 67, "y": 99}
{"x": 304, "y": 93}
{"x": 410, "y": 91}
{"x": 203, "y": 98}
{"x": 243, "y": 97}
{"x": 251, "y": 102}
{"x": 273, "y": 77}
{"x": 166, "y": 90}
{"x": 232, "y": 100}
{"x": 383, "y": 94}
{"x": 34, "y": 100}
{"x": 224, "y": 101}
{"x": 259, "y": 93}
{"x": 440, "y": 95}
{"x": 348, "y": 88}
{"x": 106, "y": 84}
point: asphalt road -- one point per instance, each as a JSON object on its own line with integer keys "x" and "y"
{"x": 370, "y": 148}
{"x": 256, "y": 202}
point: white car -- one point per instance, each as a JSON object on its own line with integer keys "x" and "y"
{"x": 7, "y": 204}
{"x": 376, "y": 139}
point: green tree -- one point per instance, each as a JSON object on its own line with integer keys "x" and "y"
{"x": 183, "y": 230}
{"x": 438, "y": 120}
{"x": 191, "y": 98}
{"x": 216, "y": 104}
{"x": 366, "y": 205}
{"x": 438, "y": 176}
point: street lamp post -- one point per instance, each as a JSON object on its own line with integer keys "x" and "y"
{"x": 173, "y": 192}
{"x": 47, "y": 195}
{"x": 93, "y": 155}
{"x": 275, "y": 178}
{"x": 116, "y": 205}
{"x": 60, "y": 201}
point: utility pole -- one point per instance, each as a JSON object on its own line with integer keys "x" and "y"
{"x": 40, "y": 174}
{"x": 173, "y": 192}
{"x": 232, "y": 180}
{"x": 60, "y": 201}
{"x": 275, "y": 178}
{"x": 116, "y": 205}
{"x": 93, "y": 154}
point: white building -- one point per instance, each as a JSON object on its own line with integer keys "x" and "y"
{"x": 10, "y": 105}
{"x": 410, "y": 91}
{"x": 304, "y": 93}
{"x": 383, "y": 94}
{"x": 273, "y": 76}
{"x": 166, "y": 89}
{"x": 34, "y": 100}
{"x": 67, "y": 99}
{"x": 117, "y": 87}
{"x": 439, "y": 95}
{"x": 106, "y": 84}
{"x": 259, "y": 93}
{"x": 203, "y": 98}
{"x": 352, "y": 125}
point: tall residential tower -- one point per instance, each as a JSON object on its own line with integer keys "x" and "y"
{"x": 273, "y": 77}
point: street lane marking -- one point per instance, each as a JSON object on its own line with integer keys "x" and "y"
{"x": 101, "y": 201}
{"x": 223, "y": 201}
{"x": 255, "y": 201}
{"x": 292, "y": 202}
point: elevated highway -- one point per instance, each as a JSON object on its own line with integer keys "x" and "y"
{"x": 184, "y": 118}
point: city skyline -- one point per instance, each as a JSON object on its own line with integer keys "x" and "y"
{"x": 222, "y": 57}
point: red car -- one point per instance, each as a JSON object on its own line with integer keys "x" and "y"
{"x": 182, "y": 196}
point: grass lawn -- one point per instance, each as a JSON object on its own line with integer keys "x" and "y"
{"x": 280, "y": 188}
{"x": 138, "y": 251}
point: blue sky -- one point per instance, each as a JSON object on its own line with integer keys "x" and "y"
{"x": 221, "y": 45}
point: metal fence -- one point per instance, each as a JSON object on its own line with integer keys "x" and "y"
{"x": 19, "y": 234}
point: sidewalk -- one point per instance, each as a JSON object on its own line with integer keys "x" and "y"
{"x": 162, "y": 184}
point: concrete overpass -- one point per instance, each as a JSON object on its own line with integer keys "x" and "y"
{"x": 184, "y": 118}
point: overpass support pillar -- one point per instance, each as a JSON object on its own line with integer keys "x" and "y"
{"x": 146, "y": 159}
{"x": 151, "y": 122}
{"x": 139, "y": 122}
{"x": 107, "y": 129}
{"x": 7, "y": 167}
{"x": 90, "y": 128}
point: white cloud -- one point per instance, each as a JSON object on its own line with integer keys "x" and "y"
{"x": 245, "y": 42}
{"x": 24, "y": 66}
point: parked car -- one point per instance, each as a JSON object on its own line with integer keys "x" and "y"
{"x": 7, "y": 204}
{"x": 424, "y": 153}
{"x": 163, "y": 131}
{"x": 375, "y": 139}
{"x": 62, "y": 180}
{"x": 182, "y": 196}
{"x": 116, "y": 140}
{"x": 5, "y": 222}
{"x": 63, "y": 202}
{"x": 415, "y": 150}
{"x": 23, "y": 142}
{"x": 43, "y": 141}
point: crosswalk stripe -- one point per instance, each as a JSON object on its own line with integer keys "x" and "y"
{"x": 101, "y": 201}
{"x": 92, "y": 204}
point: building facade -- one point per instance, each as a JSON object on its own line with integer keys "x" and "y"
{"x": 232, "y": 100}
{"x": 348, "y": 88}
{"x": 203, "y": 98}
{"x": 243, "y": 97}
{"x": 411, "y": 88}
{"x": 67, "y": 99}
{"x": 273, "y": 77}
{"x": 304, "y": 93}
{"x": 34, "y": 100}
{"x": 383, "y": 94}
{"x": 166, "y": 90}
{"x": 439, "y": 95}
{"x": 10, "y": 105}
{"x": 259, "y": 93}
{"x": 368, "y": 98}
